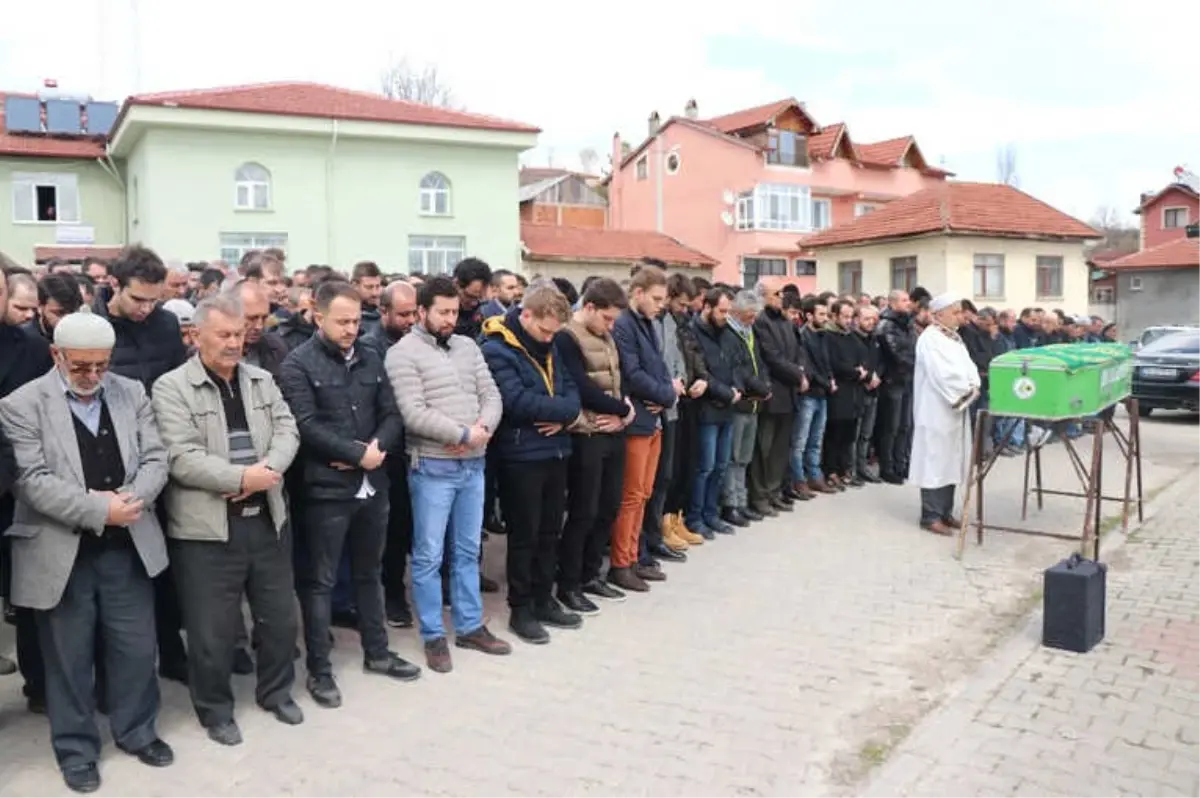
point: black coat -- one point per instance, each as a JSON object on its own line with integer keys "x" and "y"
{"x": 725, "y": 358}
{"x": 819, "y": 372}
{"x": 897, "y": 346}
{"x": 269, "y": 353}
{"x": 339, "y": 407}
{"x": 294, "y": 330}
{"x": 145, "y": 350}
{"x": 783, "y": 358}
{"x": 846, "y": 354}
{"x": 873, "y": 356}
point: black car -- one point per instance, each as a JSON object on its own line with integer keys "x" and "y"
{"x": 1166, "y": 373}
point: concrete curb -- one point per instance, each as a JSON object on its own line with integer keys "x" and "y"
{"x": 966, "y": 697}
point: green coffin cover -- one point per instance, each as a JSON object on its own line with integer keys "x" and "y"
{"x": 1061, "y": 381}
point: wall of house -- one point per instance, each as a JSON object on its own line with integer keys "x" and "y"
{"x": 1153, "y": 232}
{"x": 1020, "y": 272}
{"x": 100, "y": 206}
{"x": 692, "y": 199}
{"x": 337, "y": 202}
{"x": 1164, "y": 296}
{"x": 578, "y": 271}
{"x": 564, "y": 215}
{"x": 931, "y": 254}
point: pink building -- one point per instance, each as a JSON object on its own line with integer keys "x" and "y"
{"x": 1167, "y": 213}
{"x": 745, "y": 187}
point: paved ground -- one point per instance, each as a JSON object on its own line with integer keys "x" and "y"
{"x": 789, "y": 660}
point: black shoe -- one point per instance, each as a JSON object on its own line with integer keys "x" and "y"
{"x": 551, "y": 613}
{"x": 720, "y": 527}
{"x": 574, "y": 601}
{"x": 243, "y": 663}
{"x": 752, "y": 516}
{"x": 524, "y": 624}
{"x": 393, "y": 666}
{"x": 733, "y": 516}
{"x": 867, "y": 476}
{"x": 766, "y": 511}
{"x": 892, "y": 479}
{"x": 324, "y": 691}
{"x": 36, "y": 704}
{"x": 226, "y": 733}
{"x": 287, "y": 711}
{"x": 495, "y": 526}
{"x": 174, "y": 670}
{"x": 790, "y": 495}
{"x": 488, "y": 585}
{"x": 157, "y": 754}
{"x": 344, "y": 619}
{"x": 437, "y": 655}
{"x": 399, "y": 616}
{"x": 663, "y": 552}
{"x": 780, "y": 504}
{"x": 82, "y": 778}
{"x": 649, "y": 573}
{"x": 603, "y": 590}
{"x": 856, "y": 482}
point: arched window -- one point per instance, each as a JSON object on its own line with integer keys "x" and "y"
{"x": 252, "y": 188}
{"x": 435, "y": 194}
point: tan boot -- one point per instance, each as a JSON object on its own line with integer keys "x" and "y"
{"x": 686, "y": 535}
{"x": 670, "y": 532}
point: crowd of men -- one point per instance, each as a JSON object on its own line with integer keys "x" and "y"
{"x": 181, "y": 439}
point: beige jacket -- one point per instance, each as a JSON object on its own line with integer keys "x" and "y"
{"x": 191, "y": 421}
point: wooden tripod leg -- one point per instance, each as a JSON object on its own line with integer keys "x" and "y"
{"x": 1130, "y": 454}
{"x": 972, "y": 471}
{"x": 1093, "y": 492}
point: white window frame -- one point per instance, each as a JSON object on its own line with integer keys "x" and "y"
{"x": 902, "y": 260}
{"x": 863, "y": 208}
{"x": 854, "y": 270}
{"x": 641, "y": 168}
{"x": 1135, "y": 283}
{"x": 800, "y": 159}
{"x": 667, "y": 163}
{"x": 1047, "y": 262}
{"x": 827, "y": 204}
{"x": 25, "y": 186}
{"x": 983, "y": 265}
{"x": 1187, "y": 217}
{"x": 252, "y": 187}
{"x": 776, "y": 207}
{"x": 450, "y": 249}
{"x": 1103, "y": 295}
{"x": 435, "y": 192}
{"x": 233, "y": 246}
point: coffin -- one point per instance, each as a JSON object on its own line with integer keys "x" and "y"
{"x": 1061, "y": 381}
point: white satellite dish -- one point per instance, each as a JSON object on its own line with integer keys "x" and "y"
{"x": 727, "y": 218}
{"x": 727, "y": 195}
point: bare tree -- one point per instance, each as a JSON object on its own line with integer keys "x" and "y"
{"x": 1006, "y": 165}
{"x": 403, "y": 81}
{"x": 1118, "y": 233}
{"x": 589, "y": 160}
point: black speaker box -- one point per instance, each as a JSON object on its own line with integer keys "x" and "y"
{"x": 1073, "y": 604}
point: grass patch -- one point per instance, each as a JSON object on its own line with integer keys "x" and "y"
{"x": 875, "y": 752}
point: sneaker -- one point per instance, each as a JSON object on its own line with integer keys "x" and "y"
{"x": 399, "y": 616}
{"x": 627, "y": 579}
{"x": 324, "y": 691}
{"x": 524, "y": 624}
{"x": 437, "y": 656}
{"x": 551, "y": 613}
{"x": 574, "y": 601}
{"x": 649, "y": 573}
{"x": 483, "y": 640}
{"x": 393, "y": 666}
{"x": 602, "y": 590}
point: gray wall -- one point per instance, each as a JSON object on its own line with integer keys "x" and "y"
{"x": 1167, "y": 296}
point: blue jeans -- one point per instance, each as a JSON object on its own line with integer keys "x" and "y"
{"x": 447, "y": 506}
{"x": 714, "y": 444}
{"x": 807, "y": 436}
{"x": 1009, "y": 431}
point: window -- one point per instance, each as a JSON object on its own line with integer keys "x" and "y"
{"x": 642, "y": 168}
{"x": 435, "y": 195}
{"x": 754, "y": 268}
{"x": 1049, "y": 277}
{"x": 863, "y": 208}
{"x": 822, "y": 214}
{"x": 787, "y": 148}
{"x": 673, "y": 163}
{"x": 435, "y": 254}
{"x": 1102, "y": 295}
{"x": 989, "y": 276}
{"x": 1135, "y": 283}
{"x": 805, "y": 268}
{"x": 850, "y": 277}
{"x": 571, "y": 191}
{"x": 1174, "y": 217}
{"x": 235, "y": 245}
{"x": 252, "y": 188}
{"x": 776, "y": 207}
{"x": 904, "y": 273}
{"x": 45, "y": 197}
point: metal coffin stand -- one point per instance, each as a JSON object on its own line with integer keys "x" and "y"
{"x": 1090, "y": 479}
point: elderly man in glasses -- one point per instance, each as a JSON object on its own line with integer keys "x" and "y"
{"x": 86, "y": 543}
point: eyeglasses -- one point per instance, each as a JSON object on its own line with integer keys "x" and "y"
{"x": 84, "y": 369}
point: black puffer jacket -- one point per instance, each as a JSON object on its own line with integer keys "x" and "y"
{"x": 728, "y": 364}
{"x": 339, "y": 407}
{"x": 783, "y": 357}
{"x": 145, "y": 350}
{"x": 897, "y": 346}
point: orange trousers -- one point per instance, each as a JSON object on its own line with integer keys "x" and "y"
{"x": 641, "y": 464}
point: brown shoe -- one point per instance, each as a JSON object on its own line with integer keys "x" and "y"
{"x": 437, "y": 656}
{"x": 686, "y": 535}
{"x": 670, "y": 533}
{"x": 483, "y": 640}
{"x": 938, "y": 528}
{"x": 802, "y": 490}
{"x": 650, "y": 573}
{"x": 952, "y": 522}
{"x": 820, "y": 486}
{"x": 626, "y": 579}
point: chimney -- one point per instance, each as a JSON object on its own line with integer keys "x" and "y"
{"x": 655, "y": 123}
{"x": 691, "y": 110}
{"x": 617, "y": 153}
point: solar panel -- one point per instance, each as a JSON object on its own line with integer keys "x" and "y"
{"x": 22, "y": 115}
{"x": 100, "y": 118}
{"x": 62, "y": 116}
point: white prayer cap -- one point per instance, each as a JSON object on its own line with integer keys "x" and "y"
{"x": 182, "y": 309}
{"x": 84, "y": 330}
{"x": 943, "y": 301}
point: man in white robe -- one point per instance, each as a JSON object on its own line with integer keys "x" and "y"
{"x": 945, "y": 383}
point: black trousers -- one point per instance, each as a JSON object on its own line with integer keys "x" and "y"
{"x": 937, "y": 504}
{"x": 533, "y": 497}
{"x": 360, "y": 524}
{"x": 399, "y": 530}
{"x": 168, "y": 617}
{"x": 841, "y": 437}
{"x": 595, "y": 477}
{"x": 29, "y": 654}
{"x": 772, "y": 456}
{"x": 108, "y": 590}
{"x": 212, "y": 576}
{"x": 491, "y": 487}
{"x": 683, "y": 463}
{"x": 652, "y": 519}
{"x": 895, "y": 417}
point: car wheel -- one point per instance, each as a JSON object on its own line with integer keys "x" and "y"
{"x": 1145, "y": 411}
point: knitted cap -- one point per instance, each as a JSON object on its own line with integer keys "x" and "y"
{"x": 84, "y": 330}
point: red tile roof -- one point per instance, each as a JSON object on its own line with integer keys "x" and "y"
{"x": 40, "y": 145}
{"x": 1100, "y": 258}
{"x": 80, "y": 252}
{"x": 753, "y": 117}
{"x": 1150, "y": 199}
{"x": 989, "y": 209}
{"x": 552, "y": 242}
{"x": 887, "y": 152}
{"x": 323, "y": 102}
{"x": 821, "y": 145}
{"x": 1179, "y": 253}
